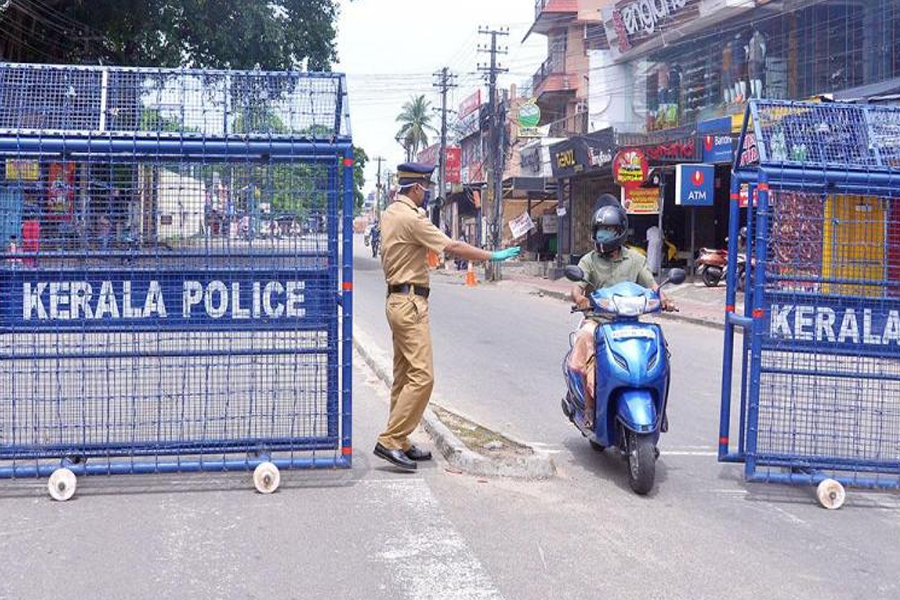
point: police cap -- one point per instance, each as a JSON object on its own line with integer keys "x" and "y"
{"x": 413, "y": 172}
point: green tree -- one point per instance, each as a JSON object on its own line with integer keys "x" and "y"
{"x": 359, "y": 178}
{"x": 415, "y": 125}
{"x": 233, "y": 34}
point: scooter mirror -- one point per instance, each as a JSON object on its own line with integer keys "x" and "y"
{"x": 573, "y": 273}
{"x": 676, "y": 276}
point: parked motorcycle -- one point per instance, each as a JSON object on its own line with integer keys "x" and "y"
{"x": 712, "y": 263}
{"x": 632, "y": 377}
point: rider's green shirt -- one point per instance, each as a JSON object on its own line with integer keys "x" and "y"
{"x": 602, "y": 271}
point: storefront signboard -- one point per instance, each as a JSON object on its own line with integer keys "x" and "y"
{"x": 452, "y": 165}
{"x": 630, "y": 168}
{"x": 61, "y": 191}
{"x": 22, "y": 170}
{"x": 470, "y": 104}
{"x": 744, "y": 197}
{"x": 695, "y": 185}
{"x": 550, "y": 224}
{"x": 581, "y": 154}
{"x": 749, "y": 151}
{"x": 641, "y": 200}
{"x": 717, "y": 142}
{"x": 528, "y": 119}
{"x": 634, "y": 22}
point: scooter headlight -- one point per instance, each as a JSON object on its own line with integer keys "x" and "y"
{"x": 603, "y": 304}
{"x": 630, "y": 306}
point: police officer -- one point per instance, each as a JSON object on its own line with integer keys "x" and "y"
{"x": 406, "y": 237}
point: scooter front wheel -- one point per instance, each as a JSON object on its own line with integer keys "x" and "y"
{"x": 641, "y": 462}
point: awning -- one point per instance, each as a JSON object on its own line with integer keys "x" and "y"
{"x": 882, "y": 88}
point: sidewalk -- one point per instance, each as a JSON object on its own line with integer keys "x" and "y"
{"x": 696, "y": 303}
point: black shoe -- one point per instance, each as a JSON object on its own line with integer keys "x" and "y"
{"x": 395, "y": 457}
{"x": 416, "y": 453}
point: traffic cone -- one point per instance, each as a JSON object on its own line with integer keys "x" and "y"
{"x": 470, "y": 276}
{"x": 433, "y": 260}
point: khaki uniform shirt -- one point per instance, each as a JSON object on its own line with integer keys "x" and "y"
{"x": 602, "y": 272}
{"x": 406, "y": 237}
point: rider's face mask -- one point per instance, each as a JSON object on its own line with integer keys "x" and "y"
{"x": 604, "y": 235}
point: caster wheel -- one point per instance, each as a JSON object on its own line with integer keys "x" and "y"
{"x": 266, "y": 478}
{"x": 62, "y": 484}
{"x": 831, "y": 494}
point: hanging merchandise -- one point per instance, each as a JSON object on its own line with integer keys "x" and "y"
{"x": 756, "y": 56}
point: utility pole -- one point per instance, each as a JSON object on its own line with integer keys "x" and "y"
{"x": 378, "y": 192}
{"x": 497, "y": 153}
{"x": 444, "y": 84}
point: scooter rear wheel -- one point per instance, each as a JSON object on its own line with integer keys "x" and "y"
{"x": 641, "y": 462}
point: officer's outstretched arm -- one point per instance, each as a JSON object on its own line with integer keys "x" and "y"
{"x": 469, "y": 252}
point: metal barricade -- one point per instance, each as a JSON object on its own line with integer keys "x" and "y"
{"x": 176, "y": 274}
{"x": 818, "y": 388}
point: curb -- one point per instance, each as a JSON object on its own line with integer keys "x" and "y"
{"x": 539, "y": 465}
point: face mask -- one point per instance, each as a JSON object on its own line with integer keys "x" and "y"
{"x": 427, "y": 198}
{"x": 604, "y": 235}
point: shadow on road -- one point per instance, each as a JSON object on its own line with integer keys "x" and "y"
{"x": 610, "y": 464}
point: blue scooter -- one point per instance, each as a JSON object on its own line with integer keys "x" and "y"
{"x": 632, "y": 377}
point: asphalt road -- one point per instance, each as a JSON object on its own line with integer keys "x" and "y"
{"x": 372, "y": 533}
{"x": 702, "y": 533}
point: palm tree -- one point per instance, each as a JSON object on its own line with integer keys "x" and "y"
{"x": 415, "y": 120}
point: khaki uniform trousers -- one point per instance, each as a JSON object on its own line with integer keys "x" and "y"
{"x": 407, "y": 314}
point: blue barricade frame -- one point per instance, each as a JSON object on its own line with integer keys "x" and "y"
{"x": 176, "y": 274}
{"x": 818, "y": 389}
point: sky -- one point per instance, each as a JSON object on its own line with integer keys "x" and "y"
{"x": 390, "y": 49}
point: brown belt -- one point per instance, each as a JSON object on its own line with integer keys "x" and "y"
{"x": 405, "y": 288}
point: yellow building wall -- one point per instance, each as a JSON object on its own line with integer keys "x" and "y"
{"x": 853, "y": 244}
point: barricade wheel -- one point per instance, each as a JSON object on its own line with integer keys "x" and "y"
{"x": 62, "y": 484}
{"x": 831, "y": 494}
{"x": 266, "y": 478}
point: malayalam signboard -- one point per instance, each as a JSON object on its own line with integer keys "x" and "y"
{"x": 641, "y": 201}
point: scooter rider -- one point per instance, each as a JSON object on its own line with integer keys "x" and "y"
{"x": 609, "y": 264}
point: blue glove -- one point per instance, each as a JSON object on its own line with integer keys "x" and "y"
{"x": 501, "y": 255}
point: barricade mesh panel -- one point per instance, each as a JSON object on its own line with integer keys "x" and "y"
{"x": 822, "y": 383}
{"x": 829, "y": 389}
{"x": 171, "y": 103}
{"x": 170, "y": 299}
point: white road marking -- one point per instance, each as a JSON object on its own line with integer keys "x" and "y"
{"x": 427, "y": 557}
{"x": 664, "y": 452}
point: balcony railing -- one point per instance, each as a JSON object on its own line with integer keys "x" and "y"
{"x": 554, "y": 65}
